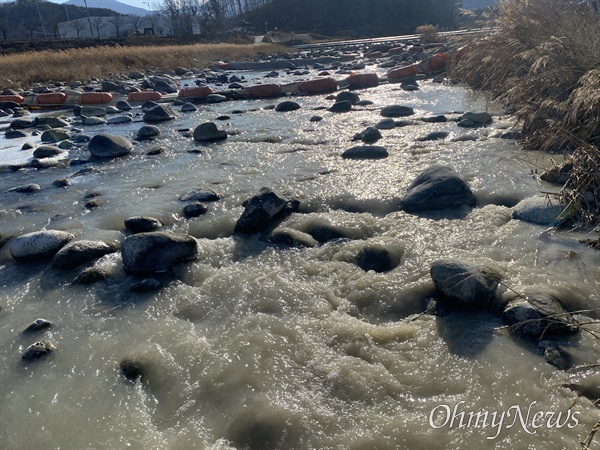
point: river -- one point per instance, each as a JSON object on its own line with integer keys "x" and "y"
{"x": 259, "y": 346}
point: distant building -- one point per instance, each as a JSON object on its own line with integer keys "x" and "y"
{"x": 476, "y": 4}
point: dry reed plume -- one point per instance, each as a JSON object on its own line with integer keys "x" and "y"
{"x": 542, "y": 60}
{"x": 25, "y": 69}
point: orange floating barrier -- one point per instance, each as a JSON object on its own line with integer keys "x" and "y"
{"x": 400, "y": 73}
{"x": 94, "y": 98}
{"x": 363, "y": 80}
{"x": 318, "y": 86}
{"x": 52, "y": 98}
{"x": 263, "y": 91}
{"x": 11, "y": 98}
{"x": 201, "y": 91}
{"x": 439, "y": 61}
{"x": 144, "y": 96}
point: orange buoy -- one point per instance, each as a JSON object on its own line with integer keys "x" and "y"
{"x": 51, "y": 98}
{"x": 94, "y": 98}
{"x": 363, "y": 80}
{"x": 201, "y": 91}
{"x": 400, "y": 73}
{"x": 263, "y": 91}
{"x": 439, "y": 61}
{"x": 11, "y": 98}
{"x": 144, "y": 96}
{"x": 318, "y": 86}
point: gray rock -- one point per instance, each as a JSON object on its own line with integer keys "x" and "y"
{"x": 14, "y": 134}
{"x": 142, "y": 224}
{"x": 146, "y": 285}
{"x": 122, "y": 105}
{"x": 157, "y": 251}
{"x": 348, "y": 96}
{"x": 39, "y": 244}
{"x": 386, "y": 124}
{"x": 291, "y": 238}
{"x": 148, "y": 132}
{"x": 109, "y": 146}
{"x": 316, "y": 119}
{"x": 37, "y": 351}
{"x": 200, "y": 195}
{"x": 188, "y": 107}
{"x": 77, "y": 253}
{"x": 376, "y": 257}
{"x": 54, "y": 136}
{"x": 52, "y": 122}
{"x": 28, "y": 146}
{"x": 479, "y": 119}
{"x": 556, "y": 356}
{"x": 465, "y": 283}
{"x": 208, "y": 132}
{"x": 341, "y": 107}
{"x": 165, "y": 87}
{"x": 37, "y": 325}
{"x": 539, "y": 313}
{"x": 159, "y": 113}
{"x": 434, "y": 119}
{"x": 558, "y": 174}
{"x": 79, "y": 138}
{"x": 92, "y": 111}
{"x": 397, "y": 111}
{"x": 540, "y": 210}
{"x": 195, "y": 209}
{"x": 438, "y": 187}
{"x": 215, "y": 98}
{"x": 369, "y": 136}
{"x": 91, "y": 121}
{"x": 366, "y": 152}
{"x": 262, "y": 209}
{"x": 20, "y": 124}
{"x": 433, "y": 136}
{"x": 48, "y": 151}
{"x": 287, "y": 106}
{"x": 91, "y": 275}
{"x": 62, "y": 182}
{"x": 118, "y": 120}
{"x": 25, "y": 189}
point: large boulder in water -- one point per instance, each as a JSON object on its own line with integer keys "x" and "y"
{"x": 538, "y": 313}
{"x": 39, "y": 244}
{"x": 365, "y": 152}
{"x": 109, "y": 146}
{"x": 438, "y": 187}
{"x": 157, "y": 251}
{"x": 465, "y": 283}
{"x": 262, "y": 209}
{"x": 541, "y": 210}
{"x": 77, "y": 253}
{"x": 208, "y": 132}
{"x": 159, "y": 113}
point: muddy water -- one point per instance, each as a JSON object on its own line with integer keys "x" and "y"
{"x": 257, "y": 346}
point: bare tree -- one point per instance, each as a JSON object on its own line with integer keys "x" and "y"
{"x": 154, "y": 21}
{"x": 77, "y": 25}
{"x": 136, "y": 22}
{"x": 4, "y": 27}
{"x": 97, "y": 23}
{"x": 52, "y": 22}
{"x": 30, "y": 27}
{"x": 118, "y": 22}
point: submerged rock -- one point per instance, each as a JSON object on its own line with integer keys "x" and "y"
{"x": 264, "y": 208}
{"x": 37, "y": 326}
{"x": 199, "y": 195}
{"x": 341, "y": 106}
{"x": 37, "y": 351}
{"x": 91, "y": 275}
{"x": 291, "y": 238}
{"x": 438, "y": 187}
{"x": 538, "y": 313}
{"x": 397, "y": 111}
{"x": 77, "y": 253}
{"x": 146, "y": 285}
{"x": 433, "y": 136}
{"x": 157, "y": 251}
{"x": 556, "y": 356}
{"x": 25, "y": 189}
{"x": 132, "y": 369}
{"x": 376, "y": 257}
{"x": 195, "y": 209}
{"x": 148, "y": 132}
{"x": 366, "y": 152}
{"x": 39, "y": 244}
{"x": 142, "y": 224}
{"x": 287, "y": 106}
{"x": 368, "y": 136}
{"x": 48, "y": 151}
{"x": 465, "y": 283}
{"x": 109, "y": 146}
{"x": 208, "y": 132}
{"x": 541, "y": 210}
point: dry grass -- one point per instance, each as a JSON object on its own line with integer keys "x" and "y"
{"x": 429, "y": 33}
{"x": 24, "y": 69}
{"x": 543, "y": 61}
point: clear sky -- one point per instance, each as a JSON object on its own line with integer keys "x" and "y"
{"x": 138, "y": 3}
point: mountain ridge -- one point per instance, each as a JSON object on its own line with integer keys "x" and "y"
{"x": 113, "y": 5}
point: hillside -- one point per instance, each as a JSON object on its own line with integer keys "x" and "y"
{"x": 113, "y": 5}
{"x": 364, "y": 18}
{"x": 20, "y": 19}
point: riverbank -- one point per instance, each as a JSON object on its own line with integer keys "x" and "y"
{"x": 543, "y": 63}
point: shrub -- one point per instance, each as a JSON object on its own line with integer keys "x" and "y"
{"x": 429, "y": 33}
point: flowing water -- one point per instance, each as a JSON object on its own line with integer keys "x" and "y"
{"x": 259, "y": 346}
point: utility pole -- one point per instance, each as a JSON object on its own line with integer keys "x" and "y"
{"x": 67, "y": 12}
{"x": 88, "y": 16}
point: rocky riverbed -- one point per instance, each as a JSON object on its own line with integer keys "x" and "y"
{"x": 331, "y": 271}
